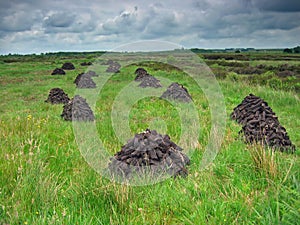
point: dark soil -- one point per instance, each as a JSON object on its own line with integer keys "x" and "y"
{"x": 247, "y": 70}
{"x": 149, "y": 150}
{"x": 285, "y": 73}
{"x": 228, "y": 63}
{"x": 227, "y": 56}
{"x": 77, "y": 109}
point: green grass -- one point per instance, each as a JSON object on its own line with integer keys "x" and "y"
{"x": 45, "y": 180}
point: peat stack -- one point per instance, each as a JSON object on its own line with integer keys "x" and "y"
{"x": 108, "y": 62}
{"x": 140, "y": 74}
{"x": 86, "y": 64}
{"x": 252, "y": 107}
{"x": 84, "y": 80}
{"x": 77, "y": 109}
{"x": 92, "y": 73}
{"x": 78, "y": 77}
{"x": 58, "y": 71}
{"x": 57, "y": 96}
{"x": 151, "y": 152}
{"x": 177, "y": 92}
{"x": 260, "y": 124}
{"x": 150, "y": 81}
{"x": 68, "y": 66}
{"x": 114, "y": 67}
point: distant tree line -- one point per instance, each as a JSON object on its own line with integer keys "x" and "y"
{"x": 73, "y": 53}
{"x": 57, "y": 54}
{"x": 292, "y": 50}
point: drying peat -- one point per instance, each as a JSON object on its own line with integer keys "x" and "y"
{"x": 77, "y": 109}
{"x": 260, "y": 124}
{"x": 58, "y": 71}
{"x": 177, "y": 92}
{"x": 68, "y": 66}
{"x": 57, "y": 96}
{"x": 149, "y": 152}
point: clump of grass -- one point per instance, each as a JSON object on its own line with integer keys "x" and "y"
{"x": 264, "y": 160}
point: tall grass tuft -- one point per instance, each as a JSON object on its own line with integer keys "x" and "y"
{"x": 264, "y": 160}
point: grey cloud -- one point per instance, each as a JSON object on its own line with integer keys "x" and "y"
{"x": 267, "y": 20}
{"x": 19, "y": 21}
{"x": 163, "y": 24}
{"x": 278, "y": 5}
{"x": 201, "y": 5}
{"x": 282, "y": 21}
{"x": 60, "y": 19}
{"x": 76, "y": 24}
{"x": 69, "y": 22}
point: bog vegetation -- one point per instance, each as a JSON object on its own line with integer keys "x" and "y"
{"x": 45, "y": 180}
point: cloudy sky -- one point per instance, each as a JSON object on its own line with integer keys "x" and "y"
{"x": 35, "y": 26}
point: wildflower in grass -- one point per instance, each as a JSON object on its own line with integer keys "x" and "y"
{"x": 29, "y": 117}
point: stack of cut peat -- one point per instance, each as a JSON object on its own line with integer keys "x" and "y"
{"x": 149, "y": 152}
{"x": 84, "y": 80}
{"x": 92, "y": 73}
{"x": 146, "y": 79}
{"x": 58, "y": 71}
{"x": 86, "y": 64}
{"x": 57, "y": 96}
{"x": 114, "y": 67}
{"x": 177, "y": 92}
{"x": 140, "y": 74}
{"x": 260, "y": 124}
{"x": 150, "y": 81}
{"x": 77, "y": 109}
{"x": 68, "y": 66}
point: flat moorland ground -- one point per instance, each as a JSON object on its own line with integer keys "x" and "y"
{"x": 44, "y": 179}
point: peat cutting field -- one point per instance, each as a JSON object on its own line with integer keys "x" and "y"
{"x": 46, "y": 179}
